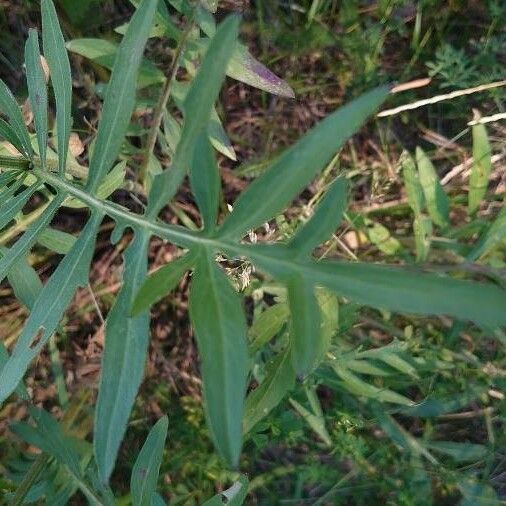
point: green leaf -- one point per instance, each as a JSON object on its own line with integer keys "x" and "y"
{"x": 267, "y": 325}
{"x": 49, "y": 436}
{"x": 245, "y": 68}
{"x": 120, "y": 95}
{"x": 161, "y": 283}
{"x": 482, "y": 166}
{"x": 386, "y": 287}
{"x": 56, "y": 240}
{"x": 61, "y": 78}
{"x": 24, "y": 280}
{"x": 305, "y": 332}
{"x": 495, "y": 235}
{"x": 10, "y": 208}
{"x": 50, "y": 306}
{"x": 28, "y": 239}
{"x": 414, "y": 190}
{"x": 400, "y": 436}
{"x": 461, "y": 452}
{"x": 9, "y": 106}
{"x": 147, "y": 465}
{"x": 103, "y": 53}
{"x": 280, "y": 379}
{"x": 422, "y": 228}
{"x": 359, "y": 387}
{"x": 291, "y": 172}
{"x": 9, "y": 134}
{"x": 329, "y": 313}
{"x": 380, "y": 236}
{"x": 220, "y": 327}
{"x": 435, "y": 197}
{"x": 219, "y": 138}
{"x": 324, "y": 222}
{"x": 233, "y": 496}
{"x": 37, "y": 91}
{"x": 205, "y": 181}
{"x": 4, "y": 358}
{"x": 123, "y": 360}
{"x": 198, "y": 105}
{"x": 316, "y": 422}
{"x": 113, "y": 181}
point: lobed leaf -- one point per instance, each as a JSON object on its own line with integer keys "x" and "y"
{"x": 147, "y": 465}
{"x": 291, "y": 172}
{"x": 220, "y": 328}
{"x": 123, "y": 360}
{"x": 120, "y": 95}
{"x": 37, "y": 91}
{"x": 61, "y": 78}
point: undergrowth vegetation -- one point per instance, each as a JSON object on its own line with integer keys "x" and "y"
{"x": 347, "y": 304}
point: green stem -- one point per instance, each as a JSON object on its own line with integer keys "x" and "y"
{"x": 162, "y": 101}
{"x": 29, "y": 479}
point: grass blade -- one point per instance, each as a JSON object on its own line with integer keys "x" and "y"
{"x": 482, "y": 166}
{"x": 147, "y": 466}
{"x": 50, "y": 306}
{"x": 161, "y": 283}
{"x": 198, "y": 107}
{"x": 220, "y": 327}
{"x": 435, "y": 197}
{"x": 289, "y": 174}
{"x": 9, "y": 106}
{"x": 37, "y": 91}
{"x": 324, "y": 222}
{"x": 205, "y": 181}
{"x": 120, "y": 96}
{"x": 61, "y": 78}
{"x": 123, "y": 360}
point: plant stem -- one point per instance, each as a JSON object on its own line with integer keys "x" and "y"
{"x": 29, "y": 479}
{"x": 162, "y": 101}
